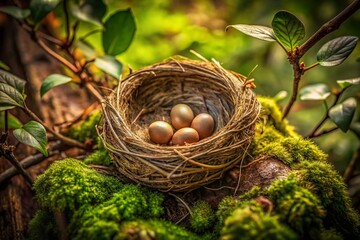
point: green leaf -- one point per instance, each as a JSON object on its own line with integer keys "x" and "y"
{"x": 343, "y": 113}
{"x": 52, "y": 81}
{"x": 4, "y": 66}
{"x": 91, "y": 11}
{"x": 348, "y": 82}
{"x": 16, "y": 12}
{"x": 336, "y": 51}
{"x": 318, "y": 91}
{"x": 119, "y": 32}
{"x": 110, "y": 65}
{"x": 288, "y": 29}
{"x": 41, "y": 8}
{"x": 86, "y": 48}
{"x": 10, "y": 97}
{"x": 13, "y": 81}
{"x": 256, "y": 31}
{"x": 13, "y": 122}
{"x": 34, "y": 135}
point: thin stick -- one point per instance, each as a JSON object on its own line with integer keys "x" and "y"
{"x": 296, "y": 81}
{"x": 7, "y": 152}
{"x": 65, "y": 140}
{"x": 349, "y": 172}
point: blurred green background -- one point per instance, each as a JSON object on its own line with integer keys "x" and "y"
{"x": 166, "y": 28}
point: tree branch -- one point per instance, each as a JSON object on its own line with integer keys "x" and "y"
{"x": 329, "y": 27}
{"x": 349, "y": 172}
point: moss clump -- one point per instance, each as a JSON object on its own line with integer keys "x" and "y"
{"x": 154, "y": 229}
{"x": 68, "y": 184}
{"x": 85, "y": 130}
{"x": 323, "y": 181}
{"x": 100, "y": 156}
{"x": 103, "y": 221}
{"x": 43, "y": 226}
{"x": 202, "y": 217}
{"x": 272, "y": 116}
{"x": 298, "y": 207}
{"x": 289, "y": 150}
{"x": 251, "y": 222}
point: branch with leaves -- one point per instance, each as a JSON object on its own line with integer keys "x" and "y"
{"x": 117, "y": 33}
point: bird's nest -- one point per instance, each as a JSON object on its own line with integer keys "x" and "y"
{"x": 149, "y": 94}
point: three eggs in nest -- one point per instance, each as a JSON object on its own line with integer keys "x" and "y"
{"x": 188, "y": 129}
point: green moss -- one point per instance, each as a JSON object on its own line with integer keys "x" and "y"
{"x": 272, "y": 116}
{"x": 43, "y": 226}
{"x": 85, "y": 130}
{"x": 250, "y": 222}
{"x": 323, "y": 181}
{"x": 289, "y": 150}
{"x": 99, "y": 157}
{"x": 330, "y": 234}
{"x": 252, "y": 193}
{"x": 68, "y": 184}
{"x": 202, "y": 217}
{"x": 297, "y": 207}
{"x": 103, "y": 221}
{"x": 154, "y": 229}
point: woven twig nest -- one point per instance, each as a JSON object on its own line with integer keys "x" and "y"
{"x": 149, "y": 94}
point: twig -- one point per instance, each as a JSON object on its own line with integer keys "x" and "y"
{"x": 352, "y": 166}
{"x": 7, "y": 152}
{"x": 326, "y": 117}
{"x": 65, "y": 140}
{"x": 329, "y": 27}
{"x": 67, "y": 23}
{"x": 324, "y": 132}
{"x": 28, "y": 162}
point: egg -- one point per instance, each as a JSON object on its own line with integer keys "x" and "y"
{"x": 203, "y": 124}
{"x": 181, "y": 116}
{"x": 160, "y": 132}
{"x": 185, "y": 135}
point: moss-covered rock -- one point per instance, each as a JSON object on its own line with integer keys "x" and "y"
{"x": 324, "y": 182}
{"x": 69, "y": 184}
{"x": 297, "y": 207}
{"x": 103, "y": 221}
{"x": 251, "y": 222}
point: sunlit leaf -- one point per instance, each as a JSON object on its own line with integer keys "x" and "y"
{"x": 336, "y": 51}
{"x": 52, "y": 81}
{"x": 91, "y": 11}
{"x": 13, "y": 81}
{"x": 4, "y": 66}
{"x": 13, "y": 122}
{"x": 41, "y": 8}
{"x": 34, "y": 135}
{"x": 110, "y": 65}
{"x": 280, "y": 96}
{"x": 16, "y": 12}
{"x": 9, "y": 96}
{"x": 348, "y": 82}
{"x": 318, "y": 91}
{"x": 343, "y": 113}
{"x": 288, "y": 29}
{"x": 119, "y": 32}
{"x": 88, "y": 50}
{"x": 256, "y": 31}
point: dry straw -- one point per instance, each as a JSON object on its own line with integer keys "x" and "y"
{"x": 149, "y": 94}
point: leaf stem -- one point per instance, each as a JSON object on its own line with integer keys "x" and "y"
{"x": 65, "y": 140}
{"x": 67, "y": 23}
{"x": 311, "y": 66}
{"x": 326, "y": 116}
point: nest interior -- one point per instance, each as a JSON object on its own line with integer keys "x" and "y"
{"x": 149, "y": 94}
